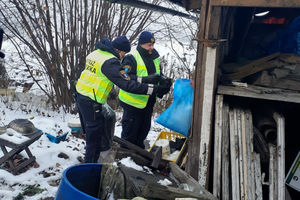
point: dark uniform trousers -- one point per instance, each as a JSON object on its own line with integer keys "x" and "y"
{"x": 136, "y": 124}
{"x": 97, "y": 136}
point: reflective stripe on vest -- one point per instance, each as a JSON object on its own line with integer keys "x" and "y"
{"x": 138, "y": 100}
{"x": 92, "y": 82}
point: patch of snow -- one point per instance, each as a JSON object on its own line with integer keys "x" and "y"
{"x": 165, "y": 182}
{"x": 13, "y": 136}
{"x": 128, "y": 162}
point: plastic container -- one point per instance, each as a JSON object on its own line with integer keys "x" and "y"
{"x": 75, "y": 126}
{"x": 171, "y": 136}
{"x": 80, "y": 182}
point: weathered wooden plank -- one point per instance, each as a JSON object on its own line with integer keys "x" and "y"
{"x": 234, "y": 149}
{"x": 257, "y": 3}
{"x": 193, "y": 153}
{"x": 218, "y": 145}
{"x": 251, "y": 68}
{"x": 250, "y": 154}
{"x": 280, "y": 154}
{"x": 242, "y": 155}
{"x": 225, "y": 154}
{"x": 258, "y": 182}
{"x": 273, "y": 195}
{"x": 204, "y": 91}
{"x": 260, "y": 93}
{"x": 206, "y": 127}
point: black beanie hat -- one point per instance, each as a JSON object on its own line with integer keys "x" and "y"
{"x": 146, "y": 37}
{"x": 121, "y": 43}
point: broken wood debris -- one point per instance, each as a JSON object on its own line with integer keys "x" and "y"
{"x": 258, "y": 92}
{"x": 284, "y": 73}
{"x": 154, "y": 158}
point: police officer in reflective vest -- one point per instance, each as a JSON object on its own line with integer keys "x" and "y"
{"x": 103, "y": 70}
{"x": 137, "y": 109}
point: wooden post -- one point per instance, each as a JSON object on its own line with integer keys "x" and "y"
{"x": 206, "y": 128}
{"x": 194, "y": 141}
{"x": 280, "y": 153}
{"x": 205, "y": 84}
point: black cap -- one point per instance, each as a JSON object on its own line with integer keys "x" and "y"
{"x": 121, "y": 43}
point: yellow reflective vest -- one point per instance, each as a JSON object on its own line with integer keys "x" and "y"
{"x": 92, "y": 82}
{"x": 138, "y": 100}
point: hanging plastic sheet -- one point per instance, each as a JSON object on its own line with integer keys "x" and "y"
{"x": 179, "y": 115}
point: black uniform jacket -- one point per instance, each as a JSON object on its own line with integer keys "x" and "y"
{"x": 112, "y": 69}
{"x": 129, "y": 62}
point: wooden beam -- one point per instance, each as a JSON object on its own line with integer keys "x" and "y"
{"x": 193, "y": 142}
{"x": 207, "y": 110}
{"x": 273, "y": 191}
{"x": 243, "y": 153}
{"x": 218, "y": 146}
{"x": 260, "y": 93}
{"x": 280, "y": 154}
{"x": 257, "y": 3}
{"x": 250, "y": 153}
{"x": 258, "y": 180}
{"x": 225, "y": 154}
{"x": 234, "y": 155}
{"x": 205, "y": 84}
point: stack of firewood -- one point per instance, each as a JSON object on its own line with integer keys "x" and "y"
{"x": 237, "y": 167}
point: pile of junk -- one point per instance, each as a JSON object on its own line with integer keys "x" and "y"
{"x": 145, "y": 174}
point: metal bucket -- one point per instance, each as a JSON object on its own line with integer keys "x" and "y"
{"x": 80, "y": 182}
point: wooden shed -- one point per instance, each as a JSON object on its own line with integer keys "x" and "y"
{"x": 244, "y": 134}
{"x": 244, "y": 138}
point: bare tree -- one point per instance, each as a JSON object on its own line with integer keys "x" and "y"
{"x": 179, "y": 63}
{"x": 60, "y": 33}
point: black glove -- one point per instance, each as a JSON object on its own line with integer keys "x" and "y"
{"x": 163, "y": 88}
{"x": 151, "y": 79}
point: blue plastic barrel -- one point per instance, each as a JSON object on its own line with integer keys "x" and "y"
{"x": 80, "y": 182}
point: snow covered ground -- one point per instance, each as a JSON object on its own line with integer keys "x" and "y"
{"x": 48, "y": 172}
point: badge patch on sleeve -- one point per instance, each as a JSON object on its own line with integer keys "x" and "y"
{"x": 124, "y": 75}
{"x": 127, "y": 68}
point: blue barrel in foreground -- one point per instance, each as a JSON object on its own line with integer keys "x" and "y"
{"x": 80, "y": 182}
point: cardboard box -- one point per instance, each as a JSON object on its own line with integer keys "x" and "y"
{"x": 293, "y": 177}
